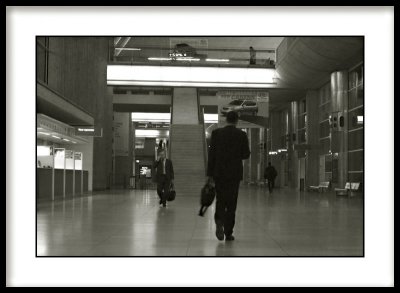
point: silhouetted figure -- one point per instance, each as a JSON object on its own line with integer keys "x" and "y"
{"x": 228, "y": 147}
{"x": 252, "y": 56}
{"x": 270, "y": 175}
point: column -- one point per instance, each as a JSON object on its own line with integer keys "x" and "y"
{"x": 185, "y": 106}
{"x": 293, "y": 162}
{"x": 339, "y": 146}
{"x": 276, "y": 143}
{"x": 312, "y": 130}
{"x": 254, "y": 157}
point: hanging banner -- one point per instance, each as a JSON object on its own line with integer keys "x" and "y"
{"x": 121, "y": 134}
{"x": 245, "y": 103}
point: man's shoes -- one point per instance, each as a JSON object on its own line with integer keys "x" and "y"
{"x": 220, "y": 232}
{"x": 164, "y": 205}
{"x": 160, "y": 202}
{"x": 229, "y": 238}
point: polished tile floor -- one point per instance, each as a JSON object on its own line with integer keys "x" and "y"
{"x": 131, "y": 223}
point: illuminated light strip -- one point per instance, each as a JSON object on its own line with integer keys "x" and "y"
{"x": 217, "y": 60}
{"x": 129, "y": 49}
{"x": 43, "y": 133}
{"x": 159, "y": 59}
{"x": 55, "y": 137}
{"x": 190, "y": 76}
{"x": 210, "y": 118}
{"x": 151, "y": 117}
{"x": 187, "y": 59}
{"x": 191, "y": 84}
{"x": 150, "y": 133}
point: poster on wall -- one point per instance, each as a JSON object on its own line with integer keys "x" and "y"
{"x": 78, "y": 160}
{"x": 251, "y": 106}
{"x": 69, "y": 159}
{"x": 121, "y": 134}
{"x": 59, "y": 158}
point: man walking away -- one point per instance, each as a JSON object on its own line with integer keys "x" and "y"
{"x": 270, "y": 174}
{"x": 228, "y": 147}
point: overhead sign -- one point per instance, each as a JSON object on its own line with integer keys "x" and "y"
{"x": 121, "y": 134}
{"x": 88, "y": 131}
{"x": 244, "y": 95}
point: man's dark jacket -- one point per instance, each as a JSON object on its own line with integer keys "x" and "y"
{"x": 228, "y": 147}
{"x": 169, "y": 170}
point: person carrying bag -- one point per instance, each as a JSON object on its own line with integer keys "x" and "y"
{"x": 207, "y": 197}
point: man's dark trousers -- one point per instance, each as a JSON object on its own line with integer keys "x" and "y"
{"x": 163, "y": 185}
{"x": 225, "y": 209}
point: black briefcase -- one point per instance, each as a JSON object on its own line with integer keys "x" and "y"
{"x": 207, "y": 198}
{"x": 171, "y": 193}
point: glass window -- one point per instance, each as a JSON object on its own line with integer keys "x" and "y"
{"x": 324, "y": 129}
{"x": 356, "y": 177}
{"x": 356, "y": 118}
{"x": 325, "y": 145}
{"x": 356, "y": 161}
{"x": 356, "y": 97}
{"x": 236, "y": 102}
{"x": 302, "y": 121}
{"x": 328, "y": 163}
{"x": 302, "y": 136}
{"x": 356, "y": 139}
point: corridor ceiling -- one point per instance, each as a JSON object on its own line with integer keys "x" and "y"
{"x": 236, "y": 49}
{"x": 302, "y": 63}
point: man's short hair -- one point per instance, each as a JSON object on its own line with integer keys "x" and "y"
{"x": 232, "y": 117}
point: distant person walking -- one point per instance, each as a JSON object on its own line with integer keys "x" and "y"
{"x": 270, "y": 175}
{"x": 164, "y": 177}
{"x": 252, "y": 56}
{"x": 228, "y": 147}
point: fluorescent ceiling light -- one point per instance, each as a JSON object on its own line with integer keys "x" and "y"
{"x": 44, "y": 133}
{"x": 129, "y": 49}
{"x": 65, "y": 139}
{"x": 159, "y": 59}
{"x": 190, "y": 76}
{"x": 187, "y": 59}
{"x": 210, "y": 118}
{"x": 151, "y": 133}
{"x": 55, "y": 137}
{"x": 217, "y": 60}
{"x": 151, "y": 117}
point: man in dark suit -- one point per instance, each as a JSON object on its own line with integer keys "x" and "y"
{"x": 164, "y": 177}
{"x": 228, "y": 147}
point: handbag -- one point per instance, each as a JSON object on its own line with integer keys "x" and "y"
{"x": 206, "y": 198}
{"x": 171, "y": 193}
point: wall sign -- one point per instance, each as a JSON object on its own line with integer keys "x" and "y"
{"x": 88, "y": 131}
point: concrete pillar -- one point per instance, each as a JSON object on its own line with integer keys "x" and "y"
{"x": 254, "y": 157}
{"x": 185, "y": 106}
{"x": 246, "y": 163}
{"x": 339, "y": 135}
{"x": 275, "y": 142}
{"x": 312, "y": 130}
{"x": 293, "y": 162}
